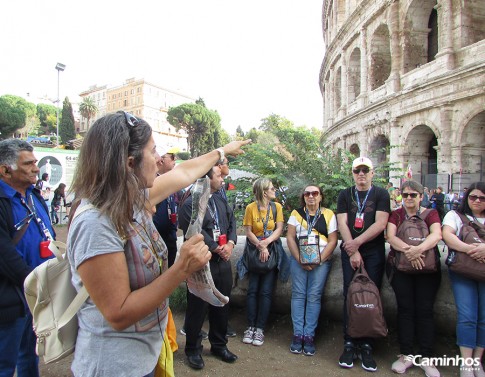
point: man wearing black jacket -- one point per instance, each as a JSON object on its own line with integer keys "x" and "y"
{"x": 219, "y": 230}
{"x": 25, "y": 231}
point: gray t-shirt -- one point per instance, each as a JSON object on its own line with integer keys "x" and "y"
{"x": 101, "y": 350}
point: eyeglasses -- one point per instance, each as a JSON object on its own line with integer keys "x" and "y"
{"x": 170, "y": 156}
{"x": 413, "y": 195}
{"x": 473, "y": 198}
{"x": 306, "y": 194}
{"x": 359, "y": 170}
{"x": 131, "y": 120}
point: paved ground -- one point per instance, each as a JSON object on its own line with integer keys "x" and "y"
{"x": 274, "y": 358}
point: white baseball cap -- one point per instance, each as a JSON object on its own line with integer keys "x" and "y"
{"x": 362, "y": 161}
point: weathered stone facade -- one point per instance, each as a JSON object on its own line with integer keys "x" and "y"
{"x": 408, "y": 74}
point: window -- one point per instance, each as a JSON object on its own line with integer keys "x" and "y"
{"x": 126, "y": 93}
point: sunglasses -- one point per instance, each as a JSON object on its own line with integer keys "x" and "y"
{"x": 413, "y": 195}
{"x": 473, "y": 198}
{"x": 131, "y": 120}
{"x": 306, "y": 194}
{"x": 359, "y": 170}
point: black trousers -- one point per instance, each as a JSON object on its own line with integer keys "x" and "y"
{"x": 415, "y": 296}
{"x": 171, "y": 247}
{"x": 218, "y": 316}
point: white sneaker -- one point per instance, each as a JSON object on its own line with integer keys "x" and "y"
{"x": 249, "y": 335}
{"x": 258, "y": 338}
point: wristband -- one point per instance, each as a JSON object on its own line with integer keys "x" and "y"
{"x": 221, "y": 155}
{"x": 233, "y": 243}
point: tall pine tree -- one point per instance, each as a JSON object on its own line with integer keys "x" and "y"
{"x": 67, "y": 130}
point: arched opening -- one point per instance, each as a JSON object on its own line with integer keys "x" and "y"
{"x": 379, "y": 154}
{"x": 421, "y": 145}
{"x": 354, "y": 75}
{"x": 355, "y": 150}
{"x": 380, "y": 66}
{"x": 473, "y": 24}
{"x": 473, "y": 146}
{"x": 433, "y": 35}
{"x": 421, "y": 33}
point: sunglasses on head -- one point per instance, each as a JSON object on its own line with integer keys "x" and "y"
{"x": 413, "y": 195}
{"x": 306, "y": 194}
{"x": 359, "y": 170}
{"x": 475, "y": 197}
{"x": 131, "y": 120}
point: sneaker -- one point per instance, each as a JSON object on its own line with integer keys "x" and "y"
{"x": 308, "y": 346}
{"x": 430, "y": 370}
{"x": 258, "y": 338}
{"x": 248, "y": 335}
{"x": 202, "y": 333}
{"x": 401, "y": 364}
{"x": 368, "y": 362}
{"x": 348, "y": 356}
{"x": 296, "y": 345}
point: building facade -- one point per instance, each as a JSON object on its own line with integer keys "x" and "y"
{"x": 145, "y": 100}
{"x": 409, "y": 75}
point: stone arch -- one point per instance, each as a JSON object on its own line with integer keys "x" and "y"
{"x": 354, "y": 73}
{"x": 473, "y": 24}
{"x": 379, "y": 154}
{"x": 338, "y": 88}
{"x": 472, "y": 144}
{"x": 421, "y": 153}
{"x": 355, "y": 150}
{"x": 380, "y": 55}
{"x": 420, "y": 29}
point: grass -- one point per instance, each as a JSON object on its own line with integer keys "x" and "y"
{"x": 178, "y": 299}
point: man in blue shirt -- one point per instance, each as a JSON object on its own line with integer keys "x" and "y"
{"x": 25, "y": 231}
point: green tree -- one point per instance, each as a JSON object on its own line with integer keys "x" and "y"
{"x": 201, "y": 124}
{"x": 88, "y": 109}
{"x": 67, "y": 130}
{"x": 293, "y": 157}
{"x": 14, "y": 112}
{"x": 48, "y": 117}
{"x": 239, "y": 132}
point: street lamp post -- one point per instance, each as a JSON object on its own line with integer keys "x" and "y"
{"x": 60, "y": 67}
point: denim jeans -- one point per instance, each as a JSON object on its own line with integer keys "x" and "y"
{"x": 470, "y": 309}
{"x": 374, "y": 263}
{"x": 17, "y": 348}
{"x": 260, "y": 292}
{"x": 306, "y": 296}
{"x": 415, "y": 297}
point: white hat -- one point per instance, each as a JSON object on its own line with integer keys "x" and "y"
{"x": 362, "y": 161}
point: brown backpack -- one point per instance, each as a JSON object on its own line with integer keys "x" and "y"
{"x": 413, "y": 231}
{"x": 462, "y": 263}
{"x": 364, "y": 308}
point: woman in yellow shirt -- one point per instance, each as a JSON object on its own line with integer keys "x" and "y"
{"x": 263, "y": 226}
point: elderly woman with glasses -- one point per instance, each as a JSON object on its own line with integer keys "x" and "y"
{"x": 263, "y": 223}
{"x": 415, "y": 291}
{"x": 469, "y": 293}
{"x": 116, "y": 252}
{"x": 311, "y": 238}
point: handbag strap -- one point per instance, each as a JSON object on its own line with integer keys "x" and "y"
{"x": 82, "y": 294}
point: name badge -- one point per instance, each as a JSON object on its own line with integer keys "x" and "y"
{"x": 216, "y": 233}
{"x": 359, "y": 221}
{"x": 311, "y": 239}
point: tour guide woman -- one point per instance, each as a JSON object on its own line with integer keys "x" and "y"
{"x": 469, "y": 294}
{"x": 116, "y": 252}
{"x": 317, "y": 226}
{"x": 416, "y": 292}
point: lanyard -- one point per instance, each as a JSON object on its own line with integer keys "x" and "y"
{"x": 45, "y": 233}
{"x": 213, "y": 212}
{"x": 315, "y": 219}
{"x": 265, "y": 222}
{"x": 171, "y": 204}
{"x": 361, "y": 207}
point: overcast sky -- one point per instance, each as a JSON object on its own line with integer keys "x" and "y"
{"x": 246, "y": 59}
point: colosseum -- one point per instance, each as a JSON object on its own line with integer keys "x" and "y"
{"x": 403, "y": 82}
